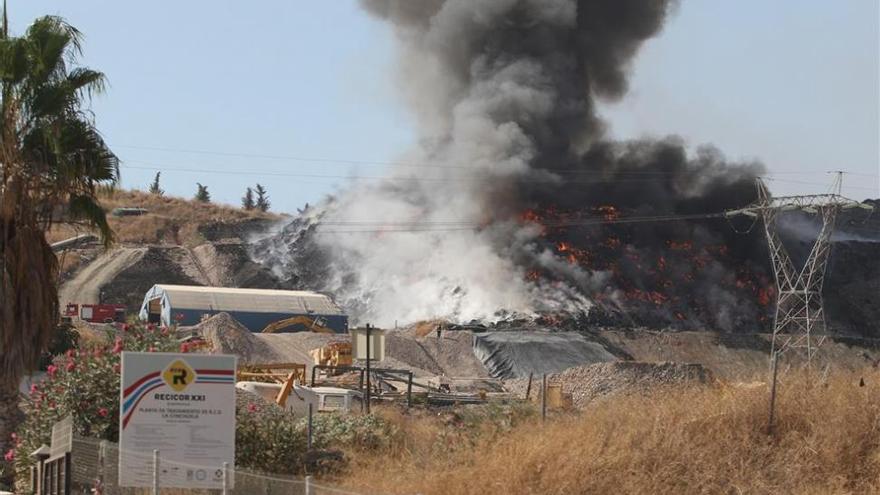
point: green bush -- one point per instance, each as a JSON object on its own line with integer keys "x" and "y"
{"x": 272, "y": 440}
{"x": 83, "y": 383}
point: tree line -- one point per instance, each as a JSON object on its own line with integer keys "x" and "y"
{"x": 256, "y": 198}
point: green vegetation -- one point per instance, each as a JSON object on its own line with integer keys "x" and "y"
{"x": 54, "y": 162}
{"x": 154, "y": 186}
{"x": 84, "y": 383}
{"x": 263, "y": 203}
{"x": 247, "y": 201}
{"x": 272, "y": 440}
{"x": 202, "y": 193}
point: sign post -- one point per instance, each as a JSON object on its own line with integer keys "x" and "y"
{"x": 368, "y": 344}
{"x": 182, "y": 405}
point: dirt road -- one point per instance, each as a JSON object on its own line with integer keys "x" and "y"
{"x": 85, "y": 287}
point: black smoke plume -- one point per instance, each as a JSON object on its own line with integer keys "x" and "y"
{"x": 510, "y": 203}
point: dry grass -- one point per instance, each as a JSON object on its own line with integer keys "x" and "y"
{"x": 170, "y": 219}
{"x": 693, "y": 440}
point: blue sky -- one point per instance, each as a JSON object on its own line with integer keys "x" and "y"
{"x": 267, "y": 87}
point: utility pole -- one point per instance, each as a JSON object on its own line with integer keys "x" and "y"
{"x": 369, "y": 390}
{"x": 800, "y": 313}
{"x": 774, "y": 358}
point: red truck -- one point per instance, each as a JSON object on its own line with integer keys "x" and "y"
{"x": 95, "y": 313}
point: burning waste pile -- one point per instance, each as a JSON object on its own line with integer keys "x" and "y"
{"x": 516, "y": 203}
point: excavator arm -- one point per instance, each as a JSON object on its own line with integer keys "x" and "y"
{"x": 313, "y": 324}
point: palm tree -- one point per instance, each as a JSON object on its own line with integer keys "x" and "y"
{"x": 54, "y": 163}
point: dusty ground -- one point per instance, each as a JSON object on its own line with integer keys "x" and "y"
{"x": 589, "y": 383}
{"x": 729, "y": 358}
{"x": 736, "y": 357}
{"x": 177, "y": 242}
{"x": 85, "y": 287}
{"x": 452, "y": 355}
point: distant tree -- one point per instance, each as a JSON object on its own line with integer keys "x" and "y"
{"x": 262, "y": 198}
{"x": 202, "y": 194}
{"x": 154, "y": 187}
{"x": 247, "y": 201}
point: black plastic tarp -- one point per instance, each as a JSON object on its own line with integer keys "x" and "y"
{"x": 516, "y": 354}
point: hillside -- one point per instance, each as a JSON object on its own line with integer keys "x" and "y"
{"x": 169, "y": 220}
{"x": 175, "y": 241}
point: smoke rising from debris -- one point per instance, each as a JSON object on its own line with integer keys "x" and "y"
{"x": 504, "y": 93}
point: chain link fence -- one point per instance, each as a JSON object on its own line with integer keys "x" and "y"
{"x": 94, "y": 465}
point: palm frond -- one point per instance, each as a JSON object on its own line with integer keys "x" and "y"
{"x": 13, "y": 60}
{"x": 85, "y": 208}
{"x": 54, "y": 162}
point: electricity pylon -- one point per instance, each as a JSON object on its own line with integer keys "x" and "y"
{"x": 800, "y": 314}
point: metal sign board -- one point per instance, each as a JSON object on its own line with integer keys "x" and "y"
{"x": 183, "y": 406}
{"x": 359, "y": 344}
{"x": 62, "y": 438}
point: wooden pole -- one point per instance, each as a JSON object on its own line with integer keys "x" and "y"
{"x": 155, "y": 472}
{"x": 308, "y": 485}
{"x": 544, "y": 398}
{"x": 773, "y": 367}
{"x": 529, "y": 387}
{"x": 310, "y": 428}
{"x": 369, "y": 390}
{"x": 409, "y": 391}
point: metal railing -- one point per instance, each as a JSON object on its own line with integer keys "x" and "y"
{"x": 95, "y": 464}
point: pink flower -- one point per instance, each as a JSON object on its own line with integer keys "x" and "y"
{"x": 118, "y": 346}
{"x": 103, "y": 412}
{"x": 125, "y": 327}
{"x": 252, "y": 407}
{"x": 50, "y": 370}
{"x": 151, "y": 349}
{"x": 151, "y": 327}
{"x": 70, "y": 366}
{"x": 71, "y": 353}
{"x": 184, "y": 347}
{"x": 34, "y": 389}
{"x": 10, "y": 455}
{"x": 116, "y": 368}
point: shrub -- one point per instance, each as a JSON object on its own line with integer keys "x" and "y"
{"x": 83, "y": 383}
{"x": 273, "y": 440}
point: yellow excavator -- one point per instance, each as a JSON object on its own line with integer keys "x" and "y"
{"x": 312, "y": 324}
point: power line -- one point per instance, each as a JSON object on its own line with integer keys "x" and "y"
{"x": 482, "y": 176}
{"x": 471, "y": 177}
{"x": 792, "y": 181}
{"x": 381, "y": 163}
{"x": 415, "y": 227}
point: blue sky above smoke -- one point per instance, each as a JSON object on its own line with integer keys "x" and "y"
{"x": 792, "y": 83}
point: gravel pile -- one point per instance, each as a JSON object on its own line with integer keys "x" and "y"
{"x": 227, "y": 336}
{"x": 295, "y": 347}
{"x": 451, "y": 355}
{"x": 597, "y": 381}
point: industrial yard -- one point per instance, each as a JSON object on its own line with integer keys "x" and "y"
{"x": 440, "y": 247}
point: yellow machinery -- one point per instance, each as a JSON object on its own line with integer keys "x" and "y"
{"x": 312, "y": 324}
{"x": 333, "y": 354}
{"x": 272, "y": 372}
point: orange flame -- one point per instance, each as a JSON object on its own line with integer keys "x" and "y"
{"x": 608, "y": 212}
